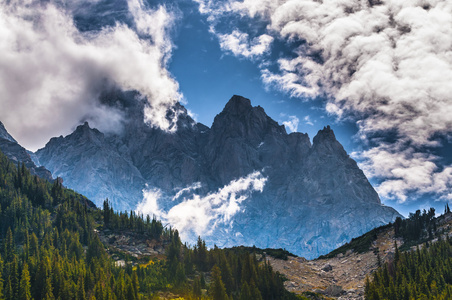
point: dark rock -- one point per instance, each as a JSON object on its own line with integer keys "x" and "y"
{"x": 327, "y": 268}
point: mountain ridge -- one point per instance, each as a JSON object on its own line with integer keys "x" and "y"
{"x": 316, "y": 184}
{"x": 18, "y": 154}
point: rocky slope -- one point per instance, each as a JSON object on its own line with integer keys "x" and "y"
{"x": 18, "y": 154}
{"x": 242, "y": 181}
{"x": 340, "y": 277}
{"x": 342, "y": 274}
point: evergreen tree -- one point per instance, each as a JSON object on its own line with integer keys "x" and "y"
{"x": 48, "y": 290}
{"x": 245, "y": 293}
{"x": 14, "y": 276}
{"x": 1, "y": 279}
{"x": 197, "y": 288}
{"x": 25, "y": 286}
{"x": 255, "y": 293}
{"x": 9, "y": 294}
{"x": 217, "y": 289}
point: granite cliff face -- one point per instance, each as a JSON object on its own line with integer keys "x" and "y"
{"x": 314, "y": 196}
{"x": 18, "y": 154}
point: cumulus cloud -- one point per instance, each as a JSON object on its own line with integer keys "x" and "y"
{"x": 292, "y": 123}
{"x": 386, "y": 64}
{"x": 149, "y": 205}
{"x": 239, "y": 44}
{"x": 51, "y": 74}
{"x": 199, "y": 215}
{"x": 406, "y": 171}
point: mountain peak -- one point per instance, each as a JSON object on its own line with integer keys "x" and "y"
{"x": 325, "y": 134}
{"x": 84, "y": 126}
{"x": 5, "y": 135}
{"x": 238, "y": 105}
{"x": 86, "y": 129}
{"x": 240, "y": 119}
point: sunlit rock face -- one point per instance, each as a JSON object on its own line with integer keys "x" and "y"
{"x": 307, "y": 198}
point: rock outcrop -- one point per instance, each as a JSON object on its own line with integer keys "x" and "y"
{"x": 315, "y": 197}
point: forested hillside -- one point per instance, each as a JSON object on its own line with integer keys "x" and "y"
{"x": 424, "y": 269}
{"x": 51, "y": 250}
{"x": 421, "y": 274}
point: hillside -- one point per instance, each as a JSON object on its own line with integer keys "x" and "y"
{"x": 342, "y": 273}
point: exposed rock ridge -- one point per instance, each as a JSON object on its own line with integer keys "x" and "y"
{"x": 315, "y": 198}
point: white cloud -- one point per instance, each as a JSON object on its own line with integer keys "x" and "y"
{"x": 200, "y": 215}
{"x": 292, "y": 123}
{"x": 406, "y": 171}
{"x": 51, "y": 74}
{"x": 387, "y": 65}
{"x": 186, "y": 190}
{"x": 308, "y": 120}
{"x": 240, "y": 44}
{"x": 149, "y": 205}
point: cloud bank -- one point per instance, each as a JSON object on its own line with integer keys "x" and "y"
{"x": 51, "y": 74}
{"x": 199, "y": 215}
{"x": 385, "y": 64}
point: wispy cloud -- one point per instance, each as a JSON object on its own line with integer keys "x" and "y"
{"x": 51, "y": 74}
{"x": 308, "y": 121}
{"x": 292, "y": 123}
{"x": 386, "y": 65}
{"x": 200, "y": 215}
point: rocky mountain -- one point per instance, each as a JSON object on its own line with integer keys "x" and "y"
{"x": 244, "y": 181}
{"x": 18, "y": 154}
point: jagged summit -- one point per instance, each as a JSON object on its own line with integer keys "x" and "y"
{"x": 240, "y": 119}
{"x": 314, "y": 199}
{"x": 325, "y": 142}
{"x": 5, "y": 135}
{"x": 237, "y": 105}
{"x": 18, "y": 154}
{"x": 86, "y": 132}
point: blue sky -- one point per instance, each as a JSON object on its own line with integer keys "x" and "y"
{"x": 378, "y": 74}
{"x": 208, "y": 77}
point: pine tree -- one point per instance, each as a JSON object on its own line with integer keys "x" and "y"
{"x": 245, "y": 293}
{"x": 25, "y": 286}
{"x": 197, "y": 288}
{"x": 9, "y": 246}
{"x": 202, "y": 281}
{"x": 9, "y": 294}
{"x": 106, "y": 212}
{"x": 217, "y": 290}
{"x": 255, "y": 293}
{"x": 48, "y": 290}
{"x": 80, "y": 289}
{"x": 135, "y": 284}
{"x": 1, "y": 279}
{"x": 14, "y": 275}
